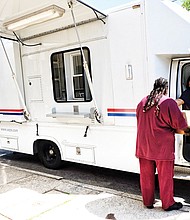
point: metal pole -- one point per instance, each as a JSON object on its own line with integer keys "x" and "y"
{"x": 85, "y": 65}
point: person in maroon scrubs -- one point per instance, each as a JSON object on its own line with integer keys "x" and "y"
{"x": 158, "y": 119}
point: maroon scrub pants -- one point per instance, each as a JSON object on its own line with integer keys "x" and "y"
{"x": 165, "y": 171}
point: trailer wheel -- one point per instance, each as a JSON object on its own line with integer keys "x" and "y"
{"x": 49, "y": 155}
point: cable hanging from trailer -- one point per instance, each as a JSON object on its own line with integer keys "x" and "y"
{"x": 18, "y": 40}
{"x": 24, "y": 44}
{"x": 8, "y": 38}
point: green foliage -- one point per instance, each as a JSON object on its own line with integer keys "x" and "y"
{"x": 186, "y": 4}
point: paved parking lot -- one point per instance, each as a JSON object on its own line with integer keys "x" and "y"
{"x": 29, "y": 195}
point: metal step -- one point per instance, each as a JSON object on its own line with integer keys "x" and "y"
{"x": 181, "y": 172}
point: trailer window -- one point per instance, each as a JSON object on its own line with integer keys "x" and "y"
{"x": 68, "y": 75}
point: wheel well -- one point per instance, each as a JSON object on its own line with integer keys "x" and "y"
{"x": 38, "y": 143}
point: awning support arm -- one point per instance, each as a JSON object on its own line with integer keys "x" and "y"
{"x": 85, "y": 65}
{"x": 98, "y": 17}
{"x": 95, "y": 11}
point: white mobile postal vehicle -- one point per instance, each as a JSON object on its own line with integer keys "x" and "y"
{"x": 72, "y": 76}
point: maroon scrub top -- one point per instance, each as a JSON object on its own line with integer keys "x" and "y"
{"x": 156, "y": 134}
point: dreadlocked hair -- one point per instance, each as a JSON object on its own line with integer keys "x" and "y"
{"x": 159, "y": 89}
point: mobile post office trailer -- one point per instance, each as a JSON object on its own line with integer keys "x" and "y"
{"x": 71, "y": 77}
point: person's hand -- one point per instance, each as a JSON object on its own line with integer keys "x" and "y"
{"x": 179, "y": 131}
{"x": 187, "y": 131}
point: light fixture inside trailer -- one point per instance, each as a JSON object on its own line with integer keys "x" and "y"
{"x": 34, "y": 17}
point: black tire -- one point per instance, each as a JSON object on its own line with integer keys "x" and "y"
{"x": 49, "y": 155}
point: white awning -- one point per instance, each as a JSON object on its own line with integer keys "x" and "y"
{"x": 14, "y": 9}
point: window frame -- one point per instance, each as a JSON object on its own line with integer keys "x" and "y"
{"x": 67, "y": 84}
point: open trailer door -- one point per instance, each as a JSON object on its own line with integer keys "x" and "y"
{"x": 180, "y": 71}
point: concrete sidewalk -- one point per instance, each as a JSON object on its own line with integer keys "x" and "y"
{"x": 26, "y": 195}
